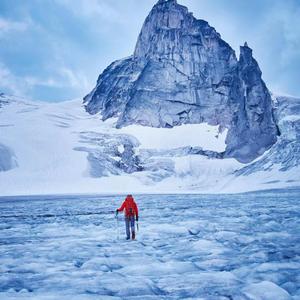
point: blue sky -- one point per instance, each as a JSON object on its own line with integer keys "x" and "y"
{"x": 54, "y": 50}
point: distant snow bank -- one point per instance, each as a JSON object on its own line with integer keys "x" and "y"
{"x": 203, "y": 135}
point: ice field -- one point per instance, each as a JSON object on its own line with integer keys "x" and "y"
{"x": 242, "y": 246}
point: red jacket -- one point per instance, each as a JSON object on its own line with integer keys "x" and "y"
{"x": 130, "y": 207}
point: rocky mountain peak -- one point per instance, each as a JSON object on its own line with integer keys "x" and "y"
{"x": 246, "y": 55}
{"x": 166, "y": 1}
{"x": 166, "y": 20}
{"x": 183, "y": 72}
{"x": 171, "y": 29}
{"x": 167, "y": 5}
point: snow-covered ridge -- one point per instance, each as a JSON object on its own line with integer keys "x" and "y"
{"x": 59, "y": 148}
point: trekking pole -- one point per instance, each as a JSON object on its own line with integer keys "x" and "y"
{"x": 117, "y": 220}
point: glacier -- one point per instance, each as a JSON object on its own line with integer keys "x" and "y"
{"x": 212, "y": 247}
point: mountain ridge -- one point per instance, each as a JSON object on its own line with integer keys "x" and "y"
{"x": 182, "y": 72}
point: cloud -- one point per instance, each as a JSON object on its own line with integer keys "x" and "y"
{"x": 288, "y": 16}
{"x": 8, "y": 81}
{"x": 9, "y": 25}
{"x": 21, "y": 86}
{"x": 92, "y": 8}
{"x": 278, "y": 44}
{"x": 31, "y": 82}
{"x": 65, "y": 78}
{"x": 74, "y": 79}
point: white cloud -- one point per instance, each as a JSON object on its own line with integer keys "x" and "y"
{"x": 8, "y": 25}
{"x": 74, "y": 79}
{"x": 21, "y": 86}
{"x": 290, "y": 22}
{"x": 9, "y": 81}
{"x": 92, "y": 8}
{"x": 65, "y": 78}
{"x": 34, "y": 81}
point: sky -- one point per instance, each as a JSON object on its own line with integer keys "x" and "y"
{"x": 54, "y": 50}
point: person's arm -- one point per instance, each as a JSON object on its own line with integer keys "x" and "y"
{"x": 122, "y": 207}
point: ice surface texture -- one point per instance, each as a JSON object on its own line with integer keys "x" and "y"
{"x": 241, "y": 247}
{"x": 183, "y": 72}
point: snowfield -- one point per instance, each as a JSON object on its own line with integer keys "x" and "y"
{"x": 58, "y": 148}
{"x": 195, "y": 135}
{"x": 214, "y": 247}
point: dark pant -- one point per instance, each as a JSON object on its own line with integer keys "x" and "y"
{"x": 129, "y": 223}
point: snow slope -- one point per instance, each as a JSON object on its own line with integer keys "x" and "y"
{"x": 59, "y": 148}
{"x": 212, "y": 247}
{"x": 201, "y": 135}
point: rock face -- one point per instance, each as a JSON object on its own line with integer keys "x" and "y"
{"x": 3, "y": 100}
{"x": 253, "y": 128}
{"x": 285, "y": 154}
{"x": 183, "y": 72}
{"x": 8, "y": 159}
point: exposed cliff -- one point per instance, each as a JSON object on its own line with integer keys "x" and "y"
{"x": 182, "y": 72}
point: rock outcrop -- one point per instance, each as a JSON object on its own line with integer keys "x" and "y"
{"x": 285, "y": 154}
{"x": 8, "y": 158}
{"x": 3, "y": 100}
{"x": 183, "y": 72}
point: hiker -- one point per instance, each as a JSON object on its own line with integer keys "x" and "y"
{"x": 131, "y": 214}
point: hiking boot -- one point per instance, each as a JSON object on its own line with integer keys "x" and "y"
{"x": 133, "y": 235}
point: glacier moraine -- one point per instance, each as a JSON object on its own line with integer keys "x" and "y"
{"x": 242, "y": 246}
